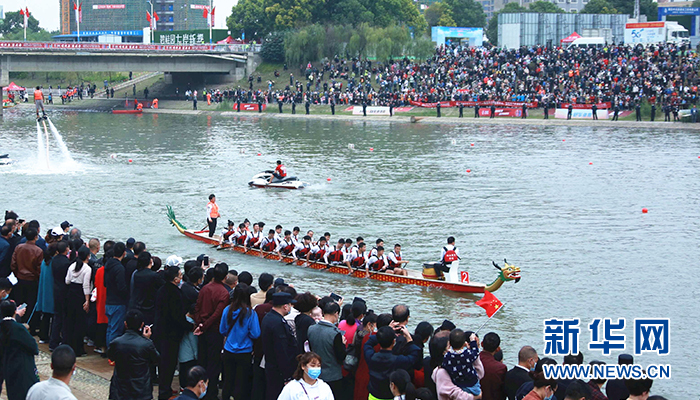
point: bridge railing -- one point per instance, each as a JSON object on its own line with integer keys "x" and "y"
{"x": 220, "y": 48}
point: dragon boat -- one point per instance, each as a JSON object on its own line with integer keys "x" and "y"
{"x": 507, "y": 273}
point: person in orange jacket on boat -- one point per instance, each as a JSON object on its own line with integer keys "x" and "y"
{"x": 212, "y": 214}
{"x": 139, "y": 106}
{"x": 280, "y": 172}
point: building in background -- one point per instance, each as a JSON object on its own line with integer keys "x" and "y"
{"x": 127, "y": 18}
{"x": 180, "y": 15}
{"x": 2, "y": 12}
{"x": 189, "y": 37}
{"x": 533, "y": 29}
{"x": 492, "y": 6}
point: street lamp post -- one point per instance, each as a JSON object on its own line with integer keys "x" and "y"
{"x": 153, "y": 22}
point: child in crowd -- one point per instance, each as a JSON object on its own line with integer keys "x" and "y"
{"x": 459, "y": 361}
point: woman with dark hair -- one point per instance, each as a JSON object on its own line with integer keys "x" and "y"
{"x": 240, "y": 326}
{"x": 445, "y": 389}
{"x": 44, "y": 301}
{"x": 306, "y": 384}
{"x": 369, "y": 326}
{"x": 353, "y": 321}
{"x": 544, "y": 388}
{"x": 305, "y": 303}
{"x": 78, "y": 302}
{"x": 401, "y": 386}
{"x": 17, "y": 351}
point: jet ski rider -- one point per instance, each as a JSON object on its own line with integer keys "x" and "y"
{"x": 280, "y": 172}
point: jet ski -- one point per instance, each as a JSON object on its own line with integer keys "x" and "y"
{"x": 5, "y": 159}
{"x": 261, "y": 180}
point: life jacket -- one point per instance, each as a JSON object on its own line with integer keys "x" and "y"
{"x": 377, "y": 265}
{"x": 269, "y": 246}
{"x": 319, "y": 254}
{"x": 301, "y": 253}
{"x": 450, "y": 255}
{"x": 214, "y": 212}
{"x": 336, "y": 256}
{"x": 358, "y": 261}
{"x": 287, "y": 247}
{"x": 228, "y": 234}
{"x": 398, "y": 258}
{"x": 241, "y": 239}
{"x": 281, "y": 171}
{"x": 38, "y": 95}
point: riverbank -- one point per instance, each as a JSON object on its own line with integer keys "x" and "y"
{"x": 322, "y": 112}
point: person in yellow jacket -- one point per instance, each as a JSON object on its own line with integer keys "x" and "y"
{"x": 212, "y": 214}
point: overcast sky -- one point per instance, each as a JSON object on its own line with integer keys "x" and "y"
{"x": 46, "y": 11}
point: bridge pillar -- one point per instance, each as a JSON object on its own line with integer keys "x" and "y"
{"x": 250, "y": 63}
{"x": 168, "y": 78}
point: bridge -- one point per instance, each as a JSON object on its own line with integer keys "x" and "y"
{"x": 218, "y": 62}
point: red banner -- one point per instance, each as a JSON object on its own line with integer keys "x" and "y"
{"x": 488, "y": 103}
{"x": 639, "y": 25}
{"x": 249, "y": 107}
{"x": 502, "y": 112}
{"x": 104, "y": 46}
{"x": 601, "y": 106}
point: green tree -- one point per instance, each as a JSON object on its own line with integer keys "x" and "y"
{"x": 440, "y": 14}
{"x": 646, "y": 7}
{"x": 357, "y": 45}
{"x": 467, "y": 13}
{"x": 544, "y": 7}
{"x": 273, "y": 48}
{"x": 248, "y": 16}
{"x": 14, "y": 22}
{"x": 287, "y": 14}
{"x": 492, "y": 28}
{"x": 422, "y": 47}
{"x": 599, "y": 7}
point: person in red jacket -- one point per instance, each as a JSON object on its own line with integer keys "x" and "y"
{"x": 494, "y": 371}
{"x": 280, "y": 172}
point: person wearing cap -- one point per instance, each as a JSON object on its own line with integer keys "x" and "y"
{"x": 279, "y": 345}
{"x": 65, "y": 226}
{"x": 212, "y": 214}
{"x": 280, "y": 172}
{"x": 616, "y": 389}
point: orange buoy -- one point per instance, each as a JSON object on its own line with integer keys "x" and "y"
{"x": 563, "y": 140}
{"x": 371, "y": 149}
{"x": 328, "y": 179}
{"x": 590, "y": 163}
{"x": 130, "y": 160}
{"x": 259, "y": 154}
{"x": 468, "y": 171}
{"x": 644, "y": 210}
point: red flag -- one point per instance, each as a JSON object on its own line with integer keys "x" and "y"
{"x": 212, "y": 15}
{"x": 21, "y": 12}
{"x": 489, "y": 303}
{"x": 205, "y": 12}
{"x": 155, "y": 16}
{"x": 80, "y": 12}
{"x": 148, "y": 16}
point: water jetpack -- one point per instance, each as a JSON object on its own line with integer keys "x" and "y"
{"x": 5, "y": 159}
{"x": 262, "y": 180}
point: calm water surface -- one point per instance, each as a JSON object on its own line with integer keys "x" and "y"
{"x": 576, "y": 230}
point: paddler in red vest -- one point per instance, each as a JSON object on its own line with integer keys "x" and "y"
{"x": 377, "y": 262}
{"x": 212, "y": 214}
{"x": 337, "y": 256}
{"x": 280, "y": 172}
{"x": 286, "y": 246}
{"x": 228, "y": 232}
{"x": 39, "y": 102}
{"x": 450, "y": 254}
{"x": 396, "y": 262}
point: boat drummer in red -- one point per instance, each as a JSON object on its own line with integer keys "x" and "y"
{"x": 280, "y": 172}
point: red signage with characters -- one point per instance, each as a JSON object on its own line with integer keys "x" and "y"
{"x": 249, "y": 107}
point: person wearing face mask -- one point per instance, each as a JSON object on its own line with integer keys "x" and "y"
{"x": 543, "y": 388}
{"x": 197, "y": 384}
{"x": 326, "y": 340}
{"x": 519, "y": 374}
{"x": 306, "y": 383}
{"x": 279, "y": 345}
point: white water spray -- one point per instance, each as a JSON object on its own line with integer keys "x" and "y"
{"x": 61, "y": 143}
{"x": 42, "y": 150}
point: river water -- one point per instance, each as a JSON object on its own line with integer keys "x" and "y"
{"x": 575, "y": 229}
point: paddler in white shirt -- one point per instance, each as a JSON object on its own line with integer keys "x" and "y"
{"x": 396, "y": 262}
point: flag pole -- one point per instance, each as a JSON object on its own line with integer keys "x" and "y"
{"x": 487, "y": 321}
{"x": 26, "y": 20}
{"x": 78, "y": 19}
{"x": 211, "y": 19}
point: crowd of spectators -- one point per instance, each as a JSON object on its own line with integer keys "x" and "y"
{"x": 230, "y": 335}
{"x": 623, "y": 75}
